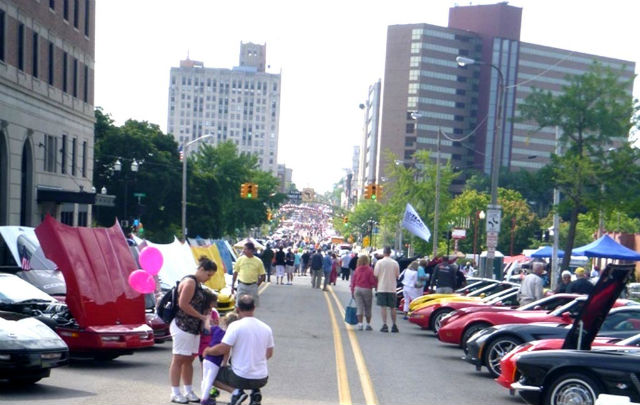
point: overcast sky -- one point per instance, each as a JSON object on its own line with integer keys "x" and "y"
{"x": 328, "y": 52}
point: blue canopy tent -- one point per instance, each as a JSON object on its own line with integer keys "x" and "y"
{"x": 607, "y": 248}
{"x": 546, "y": 251}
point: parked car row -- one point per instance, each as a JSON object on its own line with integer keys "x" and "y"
{"x": 543, "y": 350}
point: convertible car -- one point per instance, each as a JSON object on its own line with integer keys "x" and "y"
{"x": 108, "y": 315}
{"x": 458, "y": 330}
{"x": 29, "y": 350}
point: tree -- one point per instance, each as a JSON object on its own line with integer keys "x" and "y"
{"x": 593, "y": 110}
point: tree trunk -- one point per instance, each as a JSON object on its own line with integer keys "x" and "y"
{"x": 570, "y": 237}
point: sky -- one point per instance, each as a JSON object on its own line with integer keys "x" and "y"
{"x": 328, "y": 53}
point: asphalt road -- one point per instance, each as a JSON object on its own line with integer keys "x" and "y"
{"x": 318, "y": 359}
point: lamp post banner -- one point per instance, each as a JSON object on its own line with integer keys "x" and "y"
{"x": 413, "y": 223}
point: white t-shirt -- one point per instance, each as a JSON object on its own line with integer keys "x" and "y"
{"x": 250, "y": 338}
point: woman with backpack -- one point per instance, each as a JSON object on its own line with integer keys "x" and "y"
{"x": 185, "y": 329}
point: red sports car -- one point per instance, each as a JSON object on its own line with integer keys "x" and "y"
{"x": 458, "y": 328}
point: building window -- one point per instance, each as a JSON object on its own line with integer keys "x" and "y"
{"x": 85, "y": 91}
{"x": 50, "y": 64}
{"x": 52, "y": 4}
{"x": 65, "y": 9}
{"x": 34, "y": 50}
{"x": 50, "y": 153}
{"x": 21, "y": 47}
{"x": 75, "y": 77}
{"x": 84, "y": 159}
{"x": 63, "y": 152}
{"x": 76, "y": 13}
{"x": 2, "y": 36}
{"x": 65, "y": 68}
{"x": 86, "y": 17}
{"x": 410, "y": 128}
{"x": 74, "y": 156}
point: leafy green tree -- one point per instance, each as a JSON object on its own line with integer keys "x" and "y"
{"x": 593, "y": 111}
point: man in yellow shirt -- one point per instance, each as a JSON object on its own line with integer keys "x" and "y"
{"x": 249, "y": 271}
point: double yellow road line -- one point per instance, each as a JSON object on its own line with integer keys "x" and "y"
{"x": 344, "y": 392}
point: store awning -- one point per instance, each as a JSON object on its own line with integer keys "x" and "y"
{"x": 65, "y": 196}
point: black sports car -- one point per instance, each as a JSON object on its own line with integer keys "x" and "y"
{"x": 577, "y": 377}
{"x": 29, "y": 350}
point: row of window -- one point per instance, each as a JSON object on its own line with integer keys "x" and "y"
{"x": 567, "y": 55}
{"x": 234, "y": 84}
{"x": 68, "y": 154}
{"x": 72, "y": 70}
{"x": 67, "y": 12}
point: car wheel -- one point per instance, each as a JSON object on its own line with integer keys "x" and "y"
{"x": 573, "y": 389}
{"x": 470, "y": 331}
{"x": 436, "y": 319}
{"x": 496, "y": 349}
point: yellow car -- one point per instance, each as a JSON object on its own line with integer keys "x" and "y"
{"x": 467, "y": 291}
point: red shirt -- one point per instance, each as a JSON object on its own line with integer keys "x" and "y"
{"x": 363, "y": 277}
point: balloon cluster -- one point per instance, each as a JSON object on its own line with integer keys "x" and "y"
{"x": 151, "y": 262}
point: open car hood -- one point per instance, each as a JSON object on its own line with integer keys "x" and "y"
{"x": 604, "y": 295}
{"x": 96, "y": 263}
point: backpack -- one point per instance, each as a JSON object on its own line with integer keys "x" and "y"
{"x": 167, "y": 307}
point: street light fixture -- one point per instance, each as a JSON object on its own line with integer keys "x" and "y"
{"x": 493, "y": 210}
{"x": 117, "y": 166}
{"x": 186, "y": 145}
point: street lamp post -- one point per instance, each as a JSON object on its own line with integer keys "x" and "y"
{"x": 479, "y": 215}
{"x": 493, "y": 210}
{"x": 186, "y": 145}
{"x": 117, "y": 166}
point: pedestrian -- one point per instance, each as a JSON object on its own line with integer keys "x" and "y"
{"x": 344, "y": 265}
{"x": 581, "y": 285}
{"x": 412, "y": 285}
{"x": 305, "y": 261}
{"x": 327, "y": 263}
{"x": 531, "y": 287}
{"x": 185, "y": 330}
{"x": 267, "y": 260}
{"x": 387, "y": 272}
{"x": 280, "y": 261}
{"x": 297, "y": 262}
{"x": 214, "y": 319}
{"x": 362, "y": 284}
{"x": 316, "y": 269}
{"x": 335, "y": 264}
{"x": 249, "y": 272}
{"x": 211, "y": 364}
{"x": 445, "y": 276}
{"x": 565, "y": 280}
{"x": 289, "y": 261}
{"x": 252, "y": 343}
{"x": 352, "y": 264}
{"x": 595, "y": 273}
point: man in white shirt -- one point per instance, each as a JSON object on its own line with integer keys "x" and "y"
{"x": 531, "y": 287}
{"x": 387, "y": 272}
{"x": 250, "y": 342}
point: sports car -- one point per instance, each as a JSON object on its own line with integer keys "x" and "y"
{"x": 430, "y": 316}
{"x": 476, "y": 295}
{"x": 458, "y": 329}
{"x": 487, "y": 347}
{"x": 29, "y": 350}
{"x": 466, "y": 290}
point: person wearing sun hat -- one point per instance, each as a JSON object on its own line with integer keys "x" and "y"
{"x": 581, "y": 285}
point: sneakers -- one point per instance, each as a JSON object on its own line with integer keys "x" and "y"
{"x": 360, "y": 327}
{"x": 208, "y": 401}
{"x": 237, "y": 399}
{"x": 384, "y": 328}
{"x": 192, "y": 397}
{"x": 368, "y": 327}
{"x": 256, "y": 398}
{"x": 394, "y": 329}
{"x": 179, "y": 399}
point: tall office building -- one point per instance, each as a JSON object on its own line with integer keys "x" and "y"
{"x": 422, "y": 76}
{"x": 369, "y": 151}
{"x": 241, "y": 105}
{"x": 47, "y": 58}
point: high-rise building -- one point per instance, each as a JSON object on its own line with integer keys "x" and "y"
{"x": 241, "y": 105}
{"x": 369, "y": 151}
{"x": 426, "y": 92}
{"x": 285, "y": 176}
{"x": 47, "y": 54}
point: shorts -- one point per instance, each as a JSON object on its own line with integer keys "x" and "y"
{"x": 227, "y": 376}
{"x": 288, "y": 269}
{"x": 184, "y": 343}
{"x": 279, "y": 270}
{"x": 386, "y": 299}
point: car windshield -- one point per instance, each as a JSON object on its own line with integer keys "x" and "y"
{"x": 573, "y": 307}
{"x": 13, "y": 290}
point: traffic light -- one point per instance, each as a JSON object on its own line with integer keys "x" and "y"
{"x": 244, "y": 190}
{"x": 249, "y": 190}
{"x": 269, "y": 215}
{"x": 367, "y": 192}
{"x": 376, "y": 191}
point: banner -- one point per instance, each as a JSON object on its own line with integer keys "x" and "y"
{"x": 414, "y": 224}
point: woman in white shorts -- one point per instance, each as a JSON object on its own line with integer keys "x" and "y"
{"x": 185, "y": 328}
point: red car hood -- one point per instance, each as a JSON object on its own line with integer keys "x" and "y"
{"x": 96, "y": 263}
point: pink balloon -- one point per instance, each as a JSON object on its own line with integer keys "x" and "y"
{"x": 151, "y": 260}
{"x": 142, "y": 282}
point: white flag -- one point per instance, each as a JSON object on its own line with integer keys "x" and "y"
{"x": 414, "y": 224}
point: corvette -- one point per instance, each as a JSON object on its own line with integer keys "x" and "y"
{"x": 469, "y": 290}
{"x": 474, "y": 296}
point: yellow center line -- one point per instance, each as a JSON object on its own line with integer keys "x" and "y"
{"x": 263, "y": 287}
{"x": 365, "y": 379}
{"x": 344, "y": 393}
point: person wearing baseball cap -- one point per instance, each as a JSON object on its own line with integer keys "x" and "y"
{"x": 581, "y": 285}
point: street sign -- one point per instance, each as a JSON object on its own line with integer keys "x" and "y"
{"x": 493, "y": 220}
{"x": 105, "y": 200}
{"x": 139, "y": 195}
{"x": 492, "y": 240}
{"x": 457, "y": 233}
{"x": 294, "y": 196}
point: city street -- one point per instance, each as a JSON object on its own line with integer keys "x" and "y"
{"x": 318, "y": 359}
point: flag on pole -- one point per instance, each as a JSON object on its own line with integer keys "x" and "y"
{"x": 413, "y": 223}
